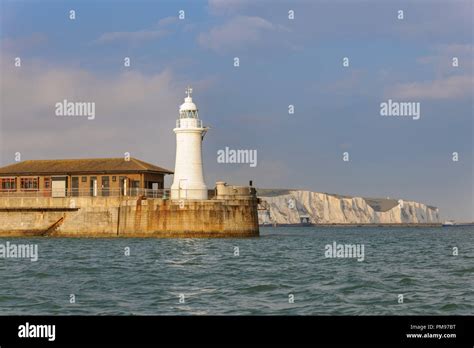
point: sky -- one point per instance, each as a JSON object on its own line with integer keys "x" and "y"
{"x": 282, "y": 62}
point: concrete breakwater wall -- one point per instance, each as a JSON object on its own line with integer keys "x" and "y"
{"x": 127, "y": 217}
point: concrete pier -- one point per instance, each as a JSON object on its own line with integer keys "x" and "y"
{"x": 232, "y": 213}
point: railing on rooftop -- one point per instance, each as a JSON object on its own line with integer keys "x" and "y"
{"x": 130, "y": 192}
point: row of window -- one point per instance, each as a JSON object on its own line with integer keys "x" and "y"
{"x": 84, "y": 178}
{"x": 32, "y": 183}
{"x": 9, "y": 184}
{"x": 29, "y": 183}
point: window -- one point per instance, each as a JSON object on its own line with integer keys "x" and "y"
{"x": 75, "y": 186}
{"x": 29, "y": 183}
{"x": 47, "y": 183}
{"x": 84, "y": 179}
{"x": 105, "y": 186}
{"x": 189, "y": 114}
{"x": 8, "y": 184}
{"x": 134, "y": 186}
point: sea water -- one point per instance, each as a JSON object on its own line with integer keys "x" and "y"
{"x": 286, "y": 271}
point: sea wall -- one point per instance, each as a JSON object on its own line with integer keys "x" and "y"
{"x": 294, "y": 206}
{"x": 127, "y": 217}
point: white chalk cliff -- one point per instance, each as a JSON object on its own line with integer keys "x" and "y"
{"x": 296, "y": 206}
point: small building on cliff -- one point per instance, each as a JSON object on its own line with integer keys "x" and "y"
{"x": 81, "y": 177}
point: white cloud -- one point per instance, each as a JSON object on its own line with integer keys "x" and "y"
{"x": 219, "y": 7}
{"x": 21, "y": 44}
{"x": 442, "y": 57}
{"x": 141, "y": 35}
{"x": 348, "y": 84}
{"x": 452, "y": 87}
{"x": 445, "y": 85}
{"x": 167, "y": 21}
{"x": 135, "y": 112}
{"x": 156, "y": 32}
{"x": 238, "y": 32}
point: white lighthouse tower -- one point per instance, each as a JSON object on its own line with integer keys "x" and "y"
{"x": 188, "y": 182}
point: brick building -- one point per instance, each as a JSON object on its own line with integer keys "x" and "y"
{"x": 81, "y": 177}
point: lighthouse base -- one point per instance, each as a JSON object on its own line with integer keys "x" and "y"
{"x": 195, "y": 192}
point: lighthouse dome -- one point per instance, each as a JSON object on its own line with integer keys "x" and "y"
{"x": 188, "y": 109}
{"x": 188, "y": 105}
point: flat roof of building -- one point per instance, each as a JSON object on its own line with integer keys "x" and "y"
{"x": 82, "y": 166}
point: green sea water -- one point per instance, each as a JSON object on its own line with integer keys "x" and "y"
{"x": 283, "y": 272}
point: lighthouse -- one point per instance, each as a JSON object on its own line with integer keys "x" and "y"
{"x": 188, "y": 182}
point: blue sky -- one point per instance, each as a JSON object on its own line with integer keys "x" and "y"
{"x": 282, "y": 62}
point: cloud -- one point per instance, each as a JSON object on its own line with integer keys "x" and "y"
{"x": 443, "y": 22}
{"x": 442, "y": 57}
{"x": 135, "y": 112}
{"x": 156, "y": 32}
{"x": 219, "y": 7}
{"x": 348, "y": 84}
{"x": 449, "y": 82}
{"x": 452, "y": 87}
{"x": 238, "y": 32}
{"x": 21, "y": 44}
{"x": 134, "y": 36}
{"x": 167, "y": 21}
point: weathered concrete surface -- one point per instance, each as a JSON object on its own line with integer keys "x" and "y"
{"x": 210, "y": 218}
{"x": 127, "y": 217}
{"x": 290, "y": 206}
